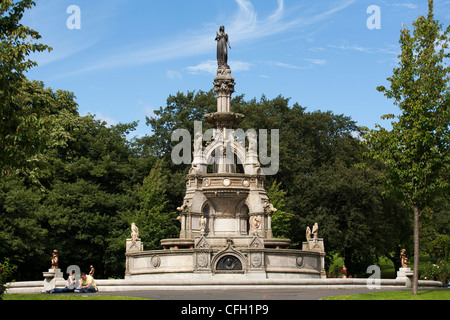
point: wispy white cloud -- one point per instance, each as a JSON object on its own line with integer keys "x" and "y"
{"x": 324, "y": 15}
{"x": 317, "y": 61}
{"x": 408, "y": 5}
{"x": 172, "y": 74}
{"x": 63, "y": 49}
{"x": 147, "y": 108}
{"x": 354, "y": 47}
{"x": 388, "y": 49}
{"x": 210, "y": 66}
{"x": 99, "y": 116}
{"x": 316, "y": 49}
{"x": 282, "y": 64}
{"x": 238, "y": 66}
{"x": 49, "y": 19}
{"x": 244, "y": 25}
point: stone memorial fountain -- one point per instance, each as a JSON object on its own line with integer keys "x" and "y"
{"x": 226, "y": 214}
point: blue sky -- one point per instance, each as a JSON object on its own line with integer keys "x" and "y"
{"x": 130, "y": 55}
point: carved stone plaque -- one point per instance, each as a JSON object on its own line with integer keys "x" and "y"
{"x": 229, "y": 263}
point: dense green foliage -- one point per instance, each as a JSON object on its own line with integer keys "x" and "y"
{"x": 80, "y": 185}
{"x": 6, "y": 272}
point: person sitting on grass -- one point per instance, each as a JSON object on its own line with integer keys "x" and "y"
{"x": 70, "y": 286}
{"x": 87, "y": 284}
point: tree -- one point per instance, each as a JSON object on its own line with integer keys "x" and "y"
{"x": 23, "y": 225}
{"x": 281, "y": 220}
{"x": 152, "y": 217}
{"x": 180, "y": 113}
{"x": 89, "y": 183}
{"x": 20, "y": 120}
{"x": 415, "y": 151}
{"x": 22, "y": 235}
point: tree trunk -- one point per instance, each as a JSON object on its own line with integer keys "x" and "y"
{"x": 416, "y": 250}
{"x": 395, "y": 260}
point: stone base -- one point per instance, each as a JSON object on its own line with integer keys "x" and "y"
{"x": 315, "y": 245}
{"x": 135, "y": 246}
{"x": 407, "y": 275}
{"x": 51, "y": 278}
{"x": 404, "y": 273}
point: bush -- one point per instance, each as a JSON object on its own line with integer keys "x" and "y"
{"x": 437, "y": 272}
{"x": 335, "y": 269}
{"x": 6, "y": 272}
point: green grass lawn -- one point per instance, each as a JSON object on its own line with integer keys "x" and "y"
{"x": 397, "y": 295}
{"x": 76, "y": 297}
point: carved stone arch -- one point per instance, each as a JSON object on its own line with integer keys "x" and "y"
{"x": 241, "y": 204}
{"x": 240, "y": 153}
{"x": 211, "y": 206}
{"x": 243, "y": 211}
{"x": 217, "y": 143}
{"x": 237, "y": 149}
{"x": 229, "y": 260}
{"x": 208, "y": 212}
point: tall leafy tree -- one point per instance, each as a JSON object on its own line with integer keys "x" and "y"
{"x": 180, "y": 112}
{"x": 23, "y": 225}
{"x": 415, "y": 151}
{"x": 152, "y": 216}
{"x": 89, "y": 185}
{"x": 20, "y": 121}
{"x": 22, "y": 235}
{"x": 281, "y": 220}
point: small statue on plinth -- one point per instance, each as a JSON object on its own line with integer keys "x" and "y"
{"x": 308, "y": 233}
{"x": 312, "y": 239}
{"x": 315, "y": 231}
{"x": 55, "y": 260}
{"x": 134, "y": 233}
{"x": 54, "y": 274}
{"x": 134, "y": 243}
{"x": 344, "y": 272}
{"x": 92, "y": 271}
{"x": 405, "y": 273}
{"x": 404, "y": 259}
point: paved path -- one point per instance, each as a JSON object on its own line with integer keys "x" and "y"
{"x": 241, "y": 295}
